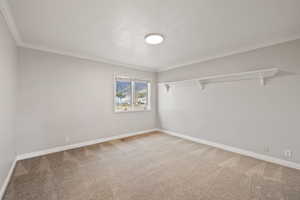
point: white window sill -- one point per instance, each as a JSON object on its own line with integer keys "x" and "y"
{"x": 132, "y": 111}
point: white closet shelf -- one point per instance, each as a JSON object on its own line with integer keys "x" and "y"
{"x": 261, "y": 75}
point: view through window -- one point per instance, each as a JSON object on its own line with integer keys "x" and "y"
{"x": 132, "y": 95}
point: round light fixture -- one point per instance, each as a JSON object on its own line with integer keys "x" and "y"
{"x": 154, "y": 38}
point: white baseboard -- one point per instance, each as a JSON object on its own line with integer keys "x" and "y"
{"x": 77, "y": 145}
{"x": 236, "y": 150}
{"x": 62, "y": 148}
{"x": 7, "y": 179}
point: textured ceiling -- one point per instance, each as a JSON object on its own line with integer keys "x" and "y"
{"x": 113, "y": 30}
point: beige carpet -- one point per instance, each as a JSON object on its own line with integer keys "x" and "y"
{"x": 154, "y": 167}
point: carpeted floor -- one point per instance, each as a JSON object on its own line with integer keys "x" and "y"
{"x": 154, "y": 167}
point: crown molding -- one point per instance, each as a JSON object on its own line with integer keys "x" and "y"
{"x": 84, "y": 57}
{"x": 161, "y": 69}
{"x": 8, "y": 17}
{"x": 6, "y": 13}
{"x": 239, "y": 51}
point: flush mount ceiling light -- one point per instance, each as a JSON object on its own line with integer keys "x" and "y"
{"x": 154, "y": 38}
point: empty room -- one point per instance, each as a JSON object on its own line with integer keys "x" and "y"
{"x": 149, "y": 100}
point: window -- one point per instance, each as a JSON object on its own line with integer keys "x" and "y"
{"x": 141, "y": 100}
{"x": 132, "y": 95}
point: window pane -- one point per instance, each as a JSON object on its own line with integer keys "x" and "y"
{"x": 123, "y": 95}
{"x": 141, "y": 96}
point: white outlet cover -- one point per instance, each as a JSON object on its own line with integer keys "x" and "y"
{"x": 67, "y": 139}
{"x": 288, "y": 153}
{"x": 266, "y": 149}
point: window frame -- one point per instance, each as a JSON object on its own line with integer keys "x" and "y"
{"x": 132, "y": 81}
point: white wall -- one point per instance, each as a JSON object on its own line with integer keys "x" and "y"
{"x": 8, "y": 62}
{"x": 241, "y": 114}
{"x": 62, "y": 96}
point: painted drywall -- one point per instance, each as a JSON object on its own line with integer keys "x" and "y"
{"x": 65, "y": 100}
{"x": 8, "y": 81}
{"x": 242, "y": 114}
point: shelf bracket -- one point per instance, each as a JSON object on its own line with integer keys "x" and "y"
{"x": 262, "y": 80}
{"x": 200, "y": 84}
{"x": 167, "y": 86}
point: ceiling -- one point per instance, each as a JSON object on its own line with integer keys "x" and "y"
{"x": 113, "y": 31}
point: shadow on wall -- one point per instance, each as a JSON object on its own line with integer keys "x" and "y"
{"x": 281, "y": 74}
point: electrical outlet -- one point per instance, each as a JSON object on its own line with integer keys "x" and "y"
{"x": 67, "y": 139}
{"x": 266, "y": 149}
{"x": 288, "y": 153}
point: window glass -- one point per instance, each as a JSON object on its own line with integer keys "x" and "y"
{"x": 123, "y": 95}
{"x": 141, "y": 95}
